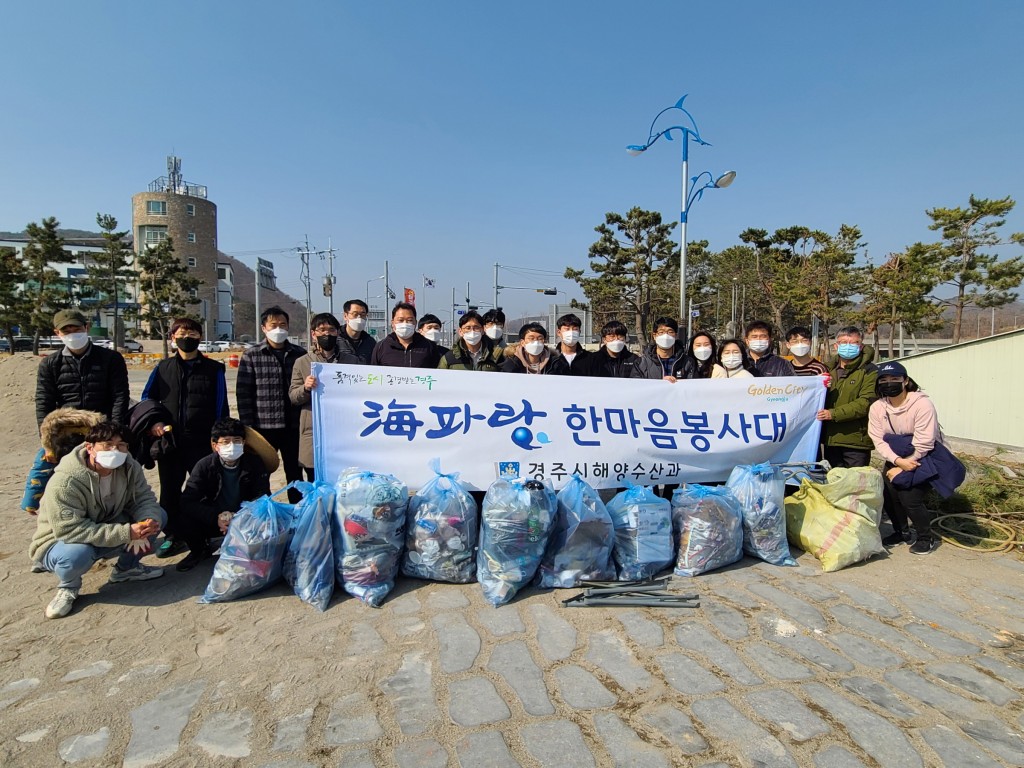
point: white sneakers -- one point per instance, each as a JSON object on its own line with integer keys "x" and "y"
{"x": 61, "y": 604}
{"x": 139, "y": 573}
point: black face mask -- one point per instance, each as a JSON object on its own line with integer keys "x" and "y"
{"x": 327, "y": 343}
{"x": 890, "y": 388}
{"x": 187, "y": 344}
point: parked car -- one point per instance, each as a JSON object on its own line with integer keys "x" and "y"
{"x": 132, "y": 345}
{"x": 223, "y": 346}
{"x": 208, "y": 346}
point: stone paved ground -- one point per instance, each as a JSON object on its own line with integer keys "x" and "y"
{"x": 896, "y": 662}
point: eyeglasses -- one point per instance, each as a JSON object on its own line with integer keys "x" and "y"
{"x": 121, "y": 446}
{"x": 225, "y": 441}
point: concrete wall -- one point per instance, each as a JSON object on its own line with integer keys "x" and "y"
{"x": 976, "y": 387}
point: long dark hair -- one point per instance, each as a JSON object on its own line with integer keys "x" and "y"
{"x": 747, "y": 364}
{"x": 702, "y": 368}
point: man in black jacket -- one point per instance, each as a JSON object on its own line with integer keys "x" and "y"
{"x": 354, "y": 339}
{"x": 192, "y": 388}
{"x": 403, "y": 347}
{"x": 218, "y": 485}
{"x": 612, "y": 360}
{"x": 758, "y": 337}
{"x": 82, "y": 375}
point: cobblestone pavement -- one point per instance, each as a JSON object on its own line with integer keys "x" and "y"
{"x": 893, "y": 663}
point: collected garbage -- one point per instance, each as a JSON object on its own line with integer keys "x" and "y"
{"x": 309, "y": 560}
{"x": 643, "y": 533}
{"x": 710, "y": 528}
{"x": 515, "y": 525}
{"x": 580, "y": 545}
{"x": 369, "y": 526}
{"x": 760, "y": 490}
{"x": 441, "y": 531}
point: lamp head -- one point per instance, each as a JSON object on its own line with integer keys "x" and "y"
{"x": 725, "y": 179}
{"x": 636, "y": 149}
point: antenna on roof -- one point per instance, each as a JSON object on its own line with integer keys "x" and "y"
{"x": 174, "y": 174}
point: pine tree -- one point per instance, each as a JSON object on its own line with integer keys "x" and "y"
{"x": 166, "y": 286}
{"x": 112, "y": 270}
{"x": 14, "y": 309}
{"x": 42, "y": 292}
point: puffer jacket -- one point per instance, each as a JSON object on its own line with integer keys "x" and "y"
{"x": 849, "y": 399}
{"x": 650, "y": 363}
{"x": 94, "y": 381}
{"x": 458, "y": 357}
{"x": 60, "y": 432}
{"x": 194, "y": 393}
{"x": 73, "y": 512}
{"x": 304, "y": 400}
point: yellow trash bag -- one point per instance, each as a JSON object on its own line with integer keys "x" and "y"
{"x": 837, "y": 522}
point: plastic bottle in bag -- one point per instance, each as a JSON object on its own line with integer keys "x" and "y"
{"x": 368, "y": 530}
{"x": 760, "y": 490}
{"x": 710, "y": 527}
{"x": 441, "y": 531}
{"x": 309, "y": 560}
{"x": 643, "y": 533}
{"x": 580, "y": 545}
{"x": 515, "y": 525}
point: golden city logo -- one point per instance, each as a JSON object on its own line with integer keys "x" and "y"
{"x": 773, "y": 394}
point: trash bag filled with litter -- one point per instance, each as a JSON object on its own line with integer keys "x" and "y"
{"x": 710, "y": 529}
{"x": 643, "y": 533}
{"x": 760, "y": 490}
{"x": 580, "y": 546}
{"x": 441, "y": 531}
{"x": 309, "y": 561}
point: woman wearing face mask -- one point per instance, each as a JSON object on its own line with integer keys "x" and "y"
{"x": 700, "y": 361}
{"x": 904, "y": 428}
{"x": 733, "y": 361}
{"x": 532, "y": 355}
{"x": 324, "y": 349}
{"x": 472, "y": 351}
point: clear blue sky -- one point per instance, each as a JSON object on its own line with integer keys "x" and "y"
{"x": 447, "y": 136}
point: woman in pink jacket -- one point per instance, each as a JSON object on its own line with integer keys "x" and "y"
{"x": 902, "y": 409}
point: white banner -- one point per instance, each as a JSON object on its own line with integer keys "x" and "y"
{"x": 395, "y": 420}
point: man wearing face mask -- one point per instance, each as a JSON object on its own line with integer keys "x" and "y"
{"x": 613, "y": 360}
{"x": 532, "y": 356}
{"x": 569, "y": 346}
{"x": 758, "y": 338}
{"x": 355, "y": 340}
{"x": 844, "y": 419}
{"x": 430, "y": 326}
{"x": 403, "y": 347}
{"x": 264, "y": 377}
{"x": 325, "y": 349}
{"x": 192, "y": 388}
{"x": 81, "y": 375}
{"x": 97, "y": 506}
{"x": 798, "y": 339}
{"x": 662, "y": 358}
{"x": 472, "y": 351}
{"x": 216, "y": 489}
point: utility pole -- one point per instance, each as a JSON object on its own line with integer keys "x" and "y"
{"x": 496, "y": 286}
{"x": 329, "y": 279}
{"x": 304, "y": 276}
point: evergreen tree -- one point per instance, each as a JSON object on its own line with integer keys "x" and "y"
{"x": 166, "y": 286}
{"x": 42, "y": 283}
{"x": 14, "y": 309}
{"x": 111, "y": 271}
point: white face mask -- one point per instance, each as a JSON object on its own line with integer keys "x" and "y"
{"x": 616, "y": 345}
{"x": 702, "y": 353}
{"x": 799, "y": 350}
{"x": 357, "y": 324}
{"x": 732, "y": 360}
{"x": 758, "y": 345}
{"x": 472, "y": 337}
{"x": 277, "y": 335}
{"x": 433, "y": 334}
{"x": 405, "y": 330}
{"x": 665, "y": 340}
{"x": 111, "y": 459}
{"x": 569, "y": 338}
{"x": 231, "y": 452}
{"x": 75, "y": 341}
{"x": 534, "y": 347}
{"x": 495, "y": 331}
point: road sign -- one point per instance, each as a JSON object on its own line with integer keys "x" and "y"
{"x": 694, "y": 313}
{"x": 460, "y": 312}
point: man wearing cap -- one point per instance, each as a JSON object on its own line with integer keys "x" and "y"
{"x": 82, "y": 375}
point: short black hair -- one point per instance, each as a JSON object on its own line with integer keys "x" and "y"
{"x": 758, "y": 325}
{"x": 494, "y": 316}
{"x": 353, "y": 302}
{"x": 471, "y": 315}
{"x": 568, "y": 321}
{"x": 274, "y": 311}
{"x": 400, "y": 306}
{"x": 106, "y": 431}
{"x": 613, "y": 328}
{"x": 188, "y": 324}
{"x": 427, "y": 319}
{"x": 324, "y": 318}
{"x": 668, "y": 322}
{"x": 227, "y": 428}
{"x": 535, "y": 328}
{"x": 798, "y": 330}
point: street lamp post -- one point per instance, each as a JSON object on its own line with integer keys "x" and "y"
{"x": 371, "y": 280}
{"x": 691, "y": 192}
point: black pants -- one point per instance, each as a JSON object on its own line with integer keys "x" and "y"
{"x": 286, "y": 442}
{"x": 197, "y": 524}
{"x": 847, "y": 457}
{"x": 901, "y": 504}
{"x": 173, "y": 469}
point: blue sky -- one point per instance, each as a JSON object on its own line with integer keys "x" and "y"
{"x": 444, "y": 137}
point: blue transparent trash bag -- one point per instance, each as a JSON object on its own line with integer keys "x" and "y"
{"x": 514, "y": 527}
{"x": 368, "y": 528}
{"x": 442, "y": 527}
{"x": 710, "y": 528}
{"x": 309, "y": 561}
{"x": 580, "y": 545}
{"x": 252, "y": 553}
{"x": 760, "y": 490}
{"x": 643, "y": 533}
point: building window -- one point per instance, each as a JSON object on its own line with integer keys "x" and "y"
{"x": 153, "y": 236}
{"x": 190, "y": 209}
{"x": 222, "y": 274}
{"x": 191, "y": 237}
{"x": 156, "y": 207}
{"x": 194, "y": 293}
{"x": 192, "y": 261}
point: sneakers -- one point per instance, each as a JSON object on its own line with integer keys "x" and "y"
{"x": 924, "y": 546}
{"x": 170, "y": 548}
{"x": 61, "y": 604}
{"x": 898, "y": 537}
{"x": 193, "y": 558}
{"x": 139, "y": 573}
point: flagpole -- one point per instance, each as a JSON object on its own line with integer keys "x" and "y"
{"x": 423, "y": 295}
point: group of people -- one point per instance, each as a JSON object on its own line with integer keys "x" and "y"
{"x": 97, "y": 503}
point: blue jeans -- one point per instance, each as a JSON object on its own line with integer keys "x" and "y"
{"x": 71, "y": 561}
